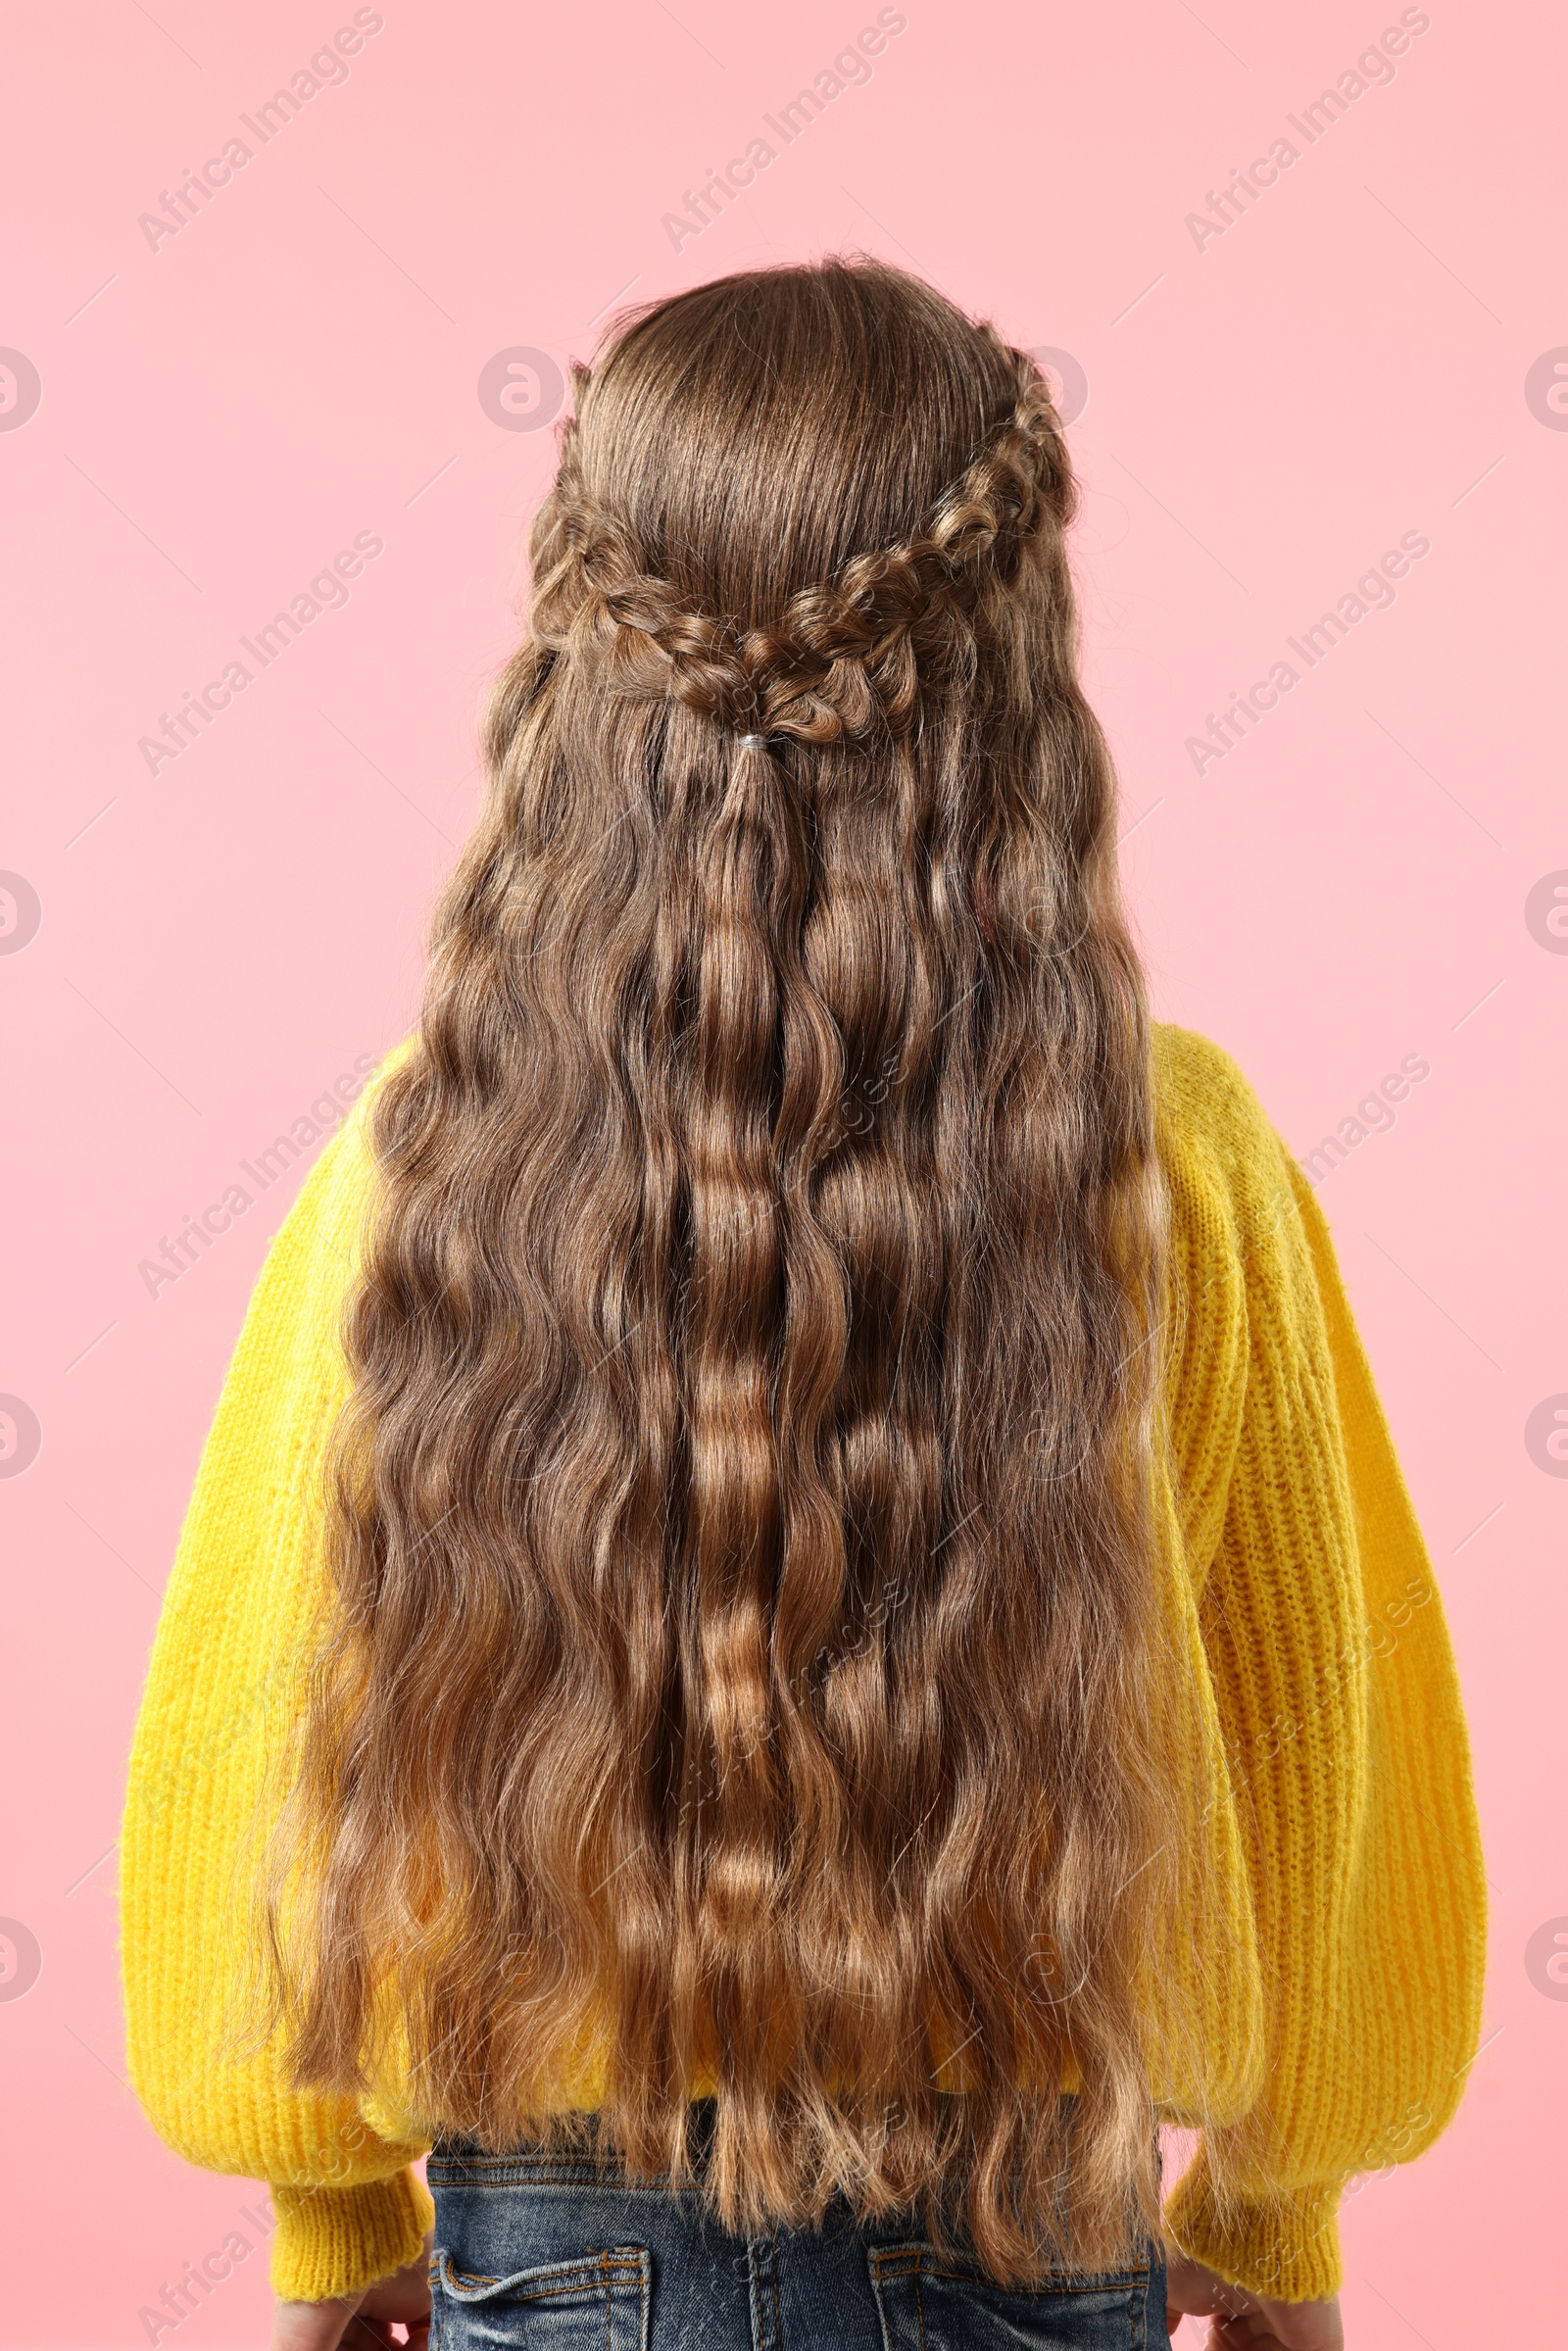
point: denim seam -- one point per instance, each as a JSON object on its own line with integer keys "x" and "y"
{"x": 918, "y": 2261}
{"x": 762, "y": 2263}
{"x": 778, "y": 2322}
{"x": 513, "y": 2176}
{"x": 594, "y": 2269}
{"x": 754, "y": 2290}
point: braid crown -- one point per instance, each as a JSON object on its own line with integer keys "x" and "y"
{"x": 848, "y": 658}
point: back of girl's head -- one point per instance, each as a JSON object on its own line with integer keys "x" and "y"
{"x": 812, "y": 470}
{"x": 755, "y": 434}
{"x": 743, "y": 1661}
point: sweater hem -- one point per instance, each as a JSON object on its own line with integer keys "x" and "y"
{"x": 1285, "y": 2249}
{"x": 338, "y": 2240}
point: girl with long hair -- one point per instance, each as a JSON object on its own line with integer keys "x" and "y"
{"x": 798, "y": 1622}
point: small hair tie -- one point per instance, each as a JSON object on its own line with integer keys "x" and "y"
{"x": 754, "y": 742}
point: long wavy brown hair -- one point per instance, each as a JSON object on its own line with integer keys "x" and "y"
{"x": 743, "y": 1669}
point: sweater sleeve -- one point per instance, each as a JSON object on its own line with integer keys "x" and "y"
{"x": 1337, "y": 1689}
{"x": 225, "y": 1688}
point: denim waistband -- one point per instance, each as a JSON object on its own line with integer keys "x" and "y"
{"x": 575, "y": 2159}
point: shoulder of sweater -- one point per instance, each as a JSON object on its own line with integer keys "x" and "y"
{"x": 1208, "y": 1115}
{"x": 1206, "y": 1096}
{"x": 354, "y": 1154}
{"x": 317, "y": 1237}
{"x": 1239, "y": 1270}
{"x": 355, "y": 1169}
{"x": 1232, "y": 1178}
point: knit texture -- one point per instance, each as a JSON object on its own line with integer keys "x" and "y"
{"x": 1322, "y": 1667}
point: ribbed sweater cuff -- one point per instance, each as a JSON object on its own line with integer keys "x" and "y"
{"x": 1286, "y": 2249}
{"x": 334, "y": 2240}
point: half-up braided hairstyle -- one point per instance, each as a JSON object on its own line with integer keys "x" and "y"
{"x": 862, "y": 655}
{"x": 744, "y": 1670}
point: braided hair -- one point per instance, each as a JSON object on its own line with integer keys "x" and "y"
{"x": 849, "y": 657}
{"x": 743, "y": 1666}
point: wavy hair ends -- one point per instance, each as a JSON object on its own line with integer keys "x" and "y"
{"x": 743, "y": 1668}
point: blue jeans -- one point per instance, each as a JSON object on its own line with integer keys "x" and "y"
{"x": 562, "y": 2252}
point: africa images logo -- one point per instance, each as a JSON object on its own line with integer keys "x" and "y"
{"x": 1546, "y": 388}
{"x": 20, "y": 389}
{"x": 718, "y": 190}
{"x": 1547, "y": 1436}
{"x": 20, "y": 912}
{"x": 1546, "y": 912}
{"x": 21, "y": 1959}
{"x": 21, "y": 1436}
{"x": 1546, "y": 1959}
{"x": 1374, "y": 592}
{"x": 1373, "y": 70}
{"x": 197, "y": 186}
{"x": 521, "y": 389}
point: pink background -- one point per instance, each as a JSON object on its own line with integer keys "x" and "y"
{"x": 220, "y": 939}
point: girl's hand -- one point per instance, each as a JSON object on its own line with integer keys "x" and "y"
{"x": 1245, "y": 2322}
{"x": 362, "y": 2322}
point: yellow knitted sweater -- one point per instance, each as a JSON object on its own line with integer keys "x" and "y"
{"x": 1319, "y": 1649}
